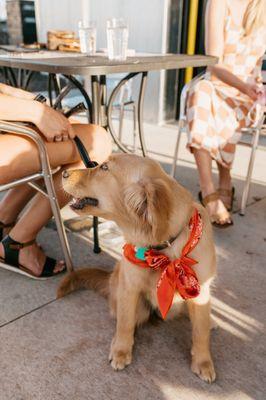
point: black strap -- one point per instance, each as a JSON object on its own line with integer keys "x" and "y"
{"x": 49, "y": 266}
{"x": 11, "y": 255}
{"x": 84, "y": 154}
{"x": 12, "y": 249}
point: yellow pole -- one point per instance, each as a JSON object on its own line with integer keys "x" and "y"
{"x": 192, "y": 31}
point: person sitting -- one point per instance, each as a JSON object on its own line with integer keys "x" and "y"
{"x": 19, "y": 157}
{"x": 228, "y": 97}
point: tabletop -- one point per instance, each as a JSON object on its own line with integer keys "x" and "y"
{"x": 77, "y": 64}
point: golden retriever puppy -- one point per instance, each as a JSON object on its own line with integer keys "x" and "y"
{"x": 155, "y": 213}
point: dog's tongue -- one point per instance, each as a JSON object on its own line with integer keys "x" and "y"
{"x": 79, "y": 204}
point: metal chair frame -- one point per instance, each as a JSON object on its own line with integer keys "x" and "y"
{"x": 45, "y": 174}
{"x": 253, "y": 131}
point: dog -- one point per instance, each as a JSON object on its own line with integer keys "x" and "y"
{"x": 150, "y": 208}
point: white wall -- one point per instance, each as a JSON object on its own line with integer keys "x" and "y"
{"x": 146, "y": 20}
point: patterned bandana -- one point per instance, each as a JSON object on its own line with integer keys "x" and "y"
{"x": 177, "y": 275}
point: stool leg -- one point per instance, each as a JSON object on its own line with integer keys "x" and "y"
{"x": 249, "y": 173}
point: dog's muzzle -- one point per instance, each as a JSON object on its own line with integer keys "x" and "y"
{"x": 79, "y": 204}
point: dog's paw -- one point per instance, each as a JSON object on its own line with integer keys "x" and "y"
{"x": 204, "y": 369}
{"x": 119, "y": 359}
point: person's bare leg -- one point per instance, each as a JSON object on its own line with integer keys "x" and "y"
{"x": 99, "y": 146}
{"x": 32, "y": 221}
{"x": 204, "y": 164}
{"x": 13, "y": 202}
{"x": 225, "y": 182}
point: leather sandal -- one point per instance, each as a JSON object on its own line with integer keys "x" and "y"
{"x": 216, "y": 219}
{"x": 4, "y": 226}
{"x": 11, "y": 260}
{"x": 230, "y": 193}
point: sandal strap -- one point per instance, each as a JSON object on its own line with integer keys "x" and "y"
{"x": 209, "y": 198}
{"x": 49, "y": 266}
{"x": 12, "y": 249}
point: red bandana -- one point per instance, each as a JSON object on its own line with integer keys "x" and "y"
{"x": 176, "y": 274}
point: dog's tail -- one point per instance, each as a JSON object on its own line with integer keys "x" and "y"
{"x": 86, "y": 278}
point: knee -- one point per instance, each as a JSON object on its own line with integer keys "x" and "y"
{"x": 97, "y": 142}
{"x": 5, "y": 175}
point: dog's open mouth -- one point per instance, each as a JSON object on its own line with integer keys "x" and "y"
{"x": 79, "y": 204}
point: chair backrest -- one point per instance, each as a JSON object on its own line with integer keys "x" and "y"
{"x": 184, "y": 93}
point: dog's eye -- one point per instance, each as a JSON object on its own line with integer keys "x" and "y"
{"x": 104, "y": 166}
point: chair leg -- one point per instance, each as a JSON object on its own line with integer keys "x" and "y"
{"x": 249, "y": 173}
{"x": 58, "y": 220}
{"x": 173, "y": 169}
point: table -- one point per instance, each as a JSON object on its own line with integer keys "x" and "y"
{"x": 97, "y": 67}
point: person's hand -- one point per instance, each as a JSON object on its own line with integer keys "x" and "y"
{"x": 52, "y": 124}
{"x": 254, "y": 91}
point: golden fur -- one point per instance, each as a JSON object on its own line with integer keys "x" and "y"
{"x": 149, "y": 207}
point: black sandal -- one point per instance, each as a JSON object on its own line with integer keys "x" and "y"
{"x": 4, "y": 226}
{"x": 11, "y": 263}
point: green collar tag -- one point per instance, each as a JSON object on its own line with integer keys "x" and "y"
{"x": 140, "y": 253}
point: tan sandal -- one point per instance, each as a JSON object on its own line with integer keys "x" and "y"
{"x": 230, "y": 193}
{"x": 216, "y": 219}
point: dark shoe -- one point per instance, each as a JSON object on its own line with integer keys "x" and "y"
{"x": 11, "y": 260}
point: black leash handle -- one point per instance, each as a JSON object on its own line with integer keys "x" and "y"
{"x": 84, "y": 155}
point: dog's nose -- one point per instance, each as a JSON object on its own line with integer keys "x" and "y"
{"x": 65, "y": 174}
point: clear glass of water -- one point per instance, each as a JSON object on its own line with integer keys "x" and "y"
{"x": 117, "y": 39}
{"x": 87, "y": 37}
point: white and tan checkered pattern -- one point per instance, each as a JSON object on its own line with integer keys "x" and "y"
{"x": 216, "y": 112}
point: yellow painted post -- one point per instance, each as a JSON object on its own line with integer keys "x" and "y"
{"x": 192, "y": 31}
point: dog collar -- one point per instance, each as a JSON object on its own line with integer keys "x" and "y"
{"x": 140, "y": 251}
{"x": 176, "y": 275}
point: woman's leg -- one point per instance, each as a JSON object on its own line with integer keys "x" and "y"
{"x": 20, "y": 156}
{"x": 225, "y": 182}
{"x": 204, "y": 164}
{"x": 14, "y": 201}
{"x": 98, "y": 144}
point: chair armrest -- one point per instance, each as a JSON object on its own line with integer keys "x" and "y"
{"x": 22, "y": 129}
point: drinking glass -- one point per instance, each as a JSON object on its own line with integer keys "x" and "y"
{"x": 87, "y": 37}
{"x": 117, "y": 39}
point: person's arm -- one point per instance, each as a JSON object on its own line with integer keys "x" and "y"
{"x": 51, "y": 123}
{"x": 14, "y": 92}
{"x": 214, "y": 45}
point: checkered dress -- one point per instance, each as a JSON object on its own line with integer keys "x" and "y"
{"x": 216, "y": 112}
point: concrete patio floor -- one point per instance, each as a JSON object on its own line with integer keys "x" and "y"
{"x": 58, "y": 349}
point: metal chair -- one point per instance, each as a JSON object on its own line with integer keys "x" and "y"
{"x": 45, "y": 174}
{"x": 124, "y": 103}
{"x": 253, "y": 131}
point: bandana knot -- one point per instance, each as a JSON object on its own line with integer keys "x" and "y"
{"x": 177, "y": 275}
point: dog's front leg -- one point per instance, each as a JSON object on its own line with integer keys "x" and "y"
{"x": 122, "y": 344}
{"x": 202, "y": 363}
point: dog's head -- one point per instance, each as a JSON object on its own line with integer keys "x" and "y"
{"x": 133, "y": 191}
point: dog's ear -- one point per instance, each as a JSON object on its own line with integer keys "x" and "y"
{"x": 150, "y": 201}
